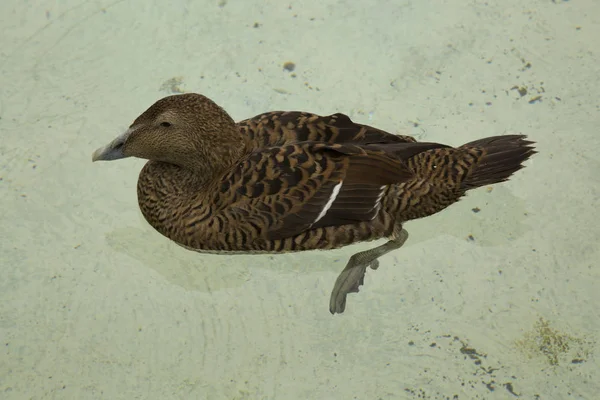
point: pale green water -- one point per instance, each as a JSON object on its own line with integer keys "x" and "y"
{"x": 96, "y": 305}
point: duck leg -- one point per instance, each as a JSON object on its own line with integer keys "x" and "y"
{"x": 354, "y": 274}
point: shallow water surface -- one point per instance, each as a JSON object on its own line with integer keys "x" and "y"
{"x": 494, "y": 298}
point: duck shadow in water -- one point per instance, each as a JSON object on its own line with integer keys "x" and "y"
{"x": 210, "y": 272}
{"x": 488, "y": 217}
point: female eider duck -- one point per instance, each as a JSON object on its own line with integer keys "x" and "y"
{"x": 294, "y": 181}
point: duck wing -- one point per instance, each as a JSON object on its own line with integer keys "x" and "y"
{"x": 279, "y": 192}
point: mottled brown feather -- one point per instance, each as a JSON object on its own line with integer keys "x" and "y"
{"x": 262, "y": 184}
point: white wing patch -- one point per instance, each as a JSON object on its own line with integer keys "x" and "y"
{"x": 382, "y": 188}
{"x": 334, "y": 194}
{"x": 378, "y": 200}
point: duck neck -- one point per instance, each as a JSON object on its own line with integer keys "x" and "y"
{"x": 213, "y": 155}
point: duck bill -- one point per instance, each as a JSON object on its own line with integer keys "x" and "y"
{"x": 113, "y": 150}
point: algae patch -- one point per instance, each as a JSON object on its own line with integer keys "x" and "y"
{"x": 555, "y": 346}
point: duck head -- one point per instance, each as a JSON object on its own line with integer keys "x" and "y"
{"x": 188, "y": 130}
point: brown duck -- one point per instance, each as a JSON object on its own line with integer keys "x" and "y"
{"x": 294, "y": 181}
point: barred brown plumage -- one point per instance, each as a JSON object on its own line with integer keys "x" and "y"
{"x": 294, "y": 181}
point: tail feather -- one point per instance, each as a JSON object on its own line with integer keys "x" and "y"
{"x": 502, "y": 157}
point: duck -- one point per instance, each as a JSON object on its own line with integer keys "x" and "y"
{"x": 289, "y": 181}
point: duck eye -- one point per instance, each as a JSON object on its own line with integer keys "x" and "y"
{"x": 165, "y": 124}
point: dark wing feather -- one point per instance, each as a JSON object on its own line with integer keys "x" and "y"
{"x": 359, "y": 198}
{"x": 279, "y": 128}
{"x": 279, "y": 192}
